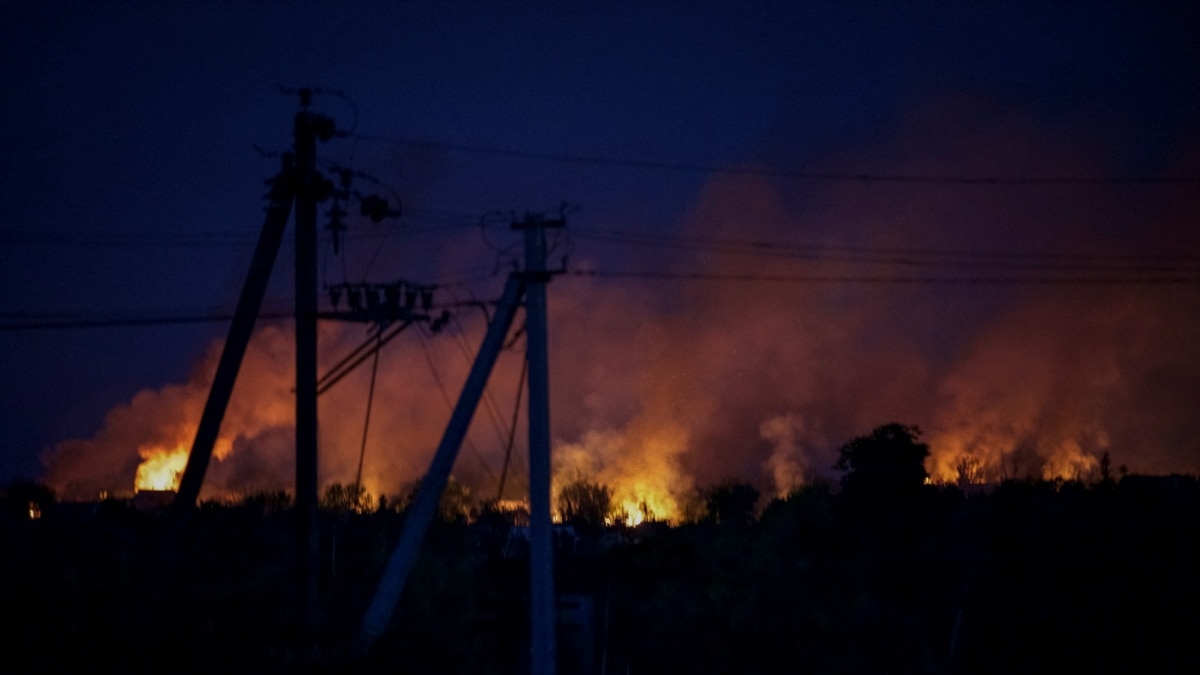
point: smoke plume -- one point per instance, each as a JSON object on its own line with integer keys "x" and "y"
{"x": 660, "y": 387}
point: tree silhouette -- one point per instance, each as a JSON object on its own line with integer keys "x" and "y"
{"x": 25, "y": 497}
{"x": 731, "y": 503}
{"x": 454, "y": 505}
{"x": 889, "y": 461}
{"x": 581, "y": 502}
{"x": 346, "y": 498}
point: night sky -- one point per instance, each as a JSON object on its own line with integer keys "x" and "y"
{"x": 136, "y": 137}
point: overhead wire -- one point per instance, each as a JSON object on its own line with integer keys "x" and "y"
{"x": 870, "y": 254}
{"x": 512, "y": 429}
{"x": 362, "y": 451}
{"x": 489, "y": 400}
{"x": 1023, "y": 267}
{"x": 125, "y": 321}
{"x": 823, "y": 176}
{"x": 449, "y": 402}
{"x": 211, "y": 239}
{"x": 356, "y": 356}
{"x": 646, "y": 275}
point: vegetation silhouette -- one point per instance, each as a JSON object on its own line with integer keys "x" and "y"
{"x": 586, "y": 504}
{"x": 879, "y": 574}
{"x": 889, "y": 462}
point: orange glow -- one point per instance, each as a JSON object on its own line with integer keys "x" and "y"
{"x": 639, "y": 501}
{"x": 985, "y": 454}
{"x": 161, "y": 469}
{"x": 639, "y": 466}
{"x": 163, "y": 462}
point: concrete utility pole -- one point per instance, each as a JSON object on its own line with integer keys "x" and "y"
{"x": 298, "y": 182}
{"x": 279, "y": 204}
{"x": 424, "y": 507}
{"x": 541, "y": 544}
{"x": 306, "y": 130}
{"x": 532, "y": 283}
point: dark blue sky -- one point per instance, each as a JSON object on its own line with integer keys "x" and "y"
{"x": 132, "y": 186}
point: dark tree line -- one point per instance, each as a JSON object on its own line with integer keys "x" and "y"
{"x": 880, "y": 574}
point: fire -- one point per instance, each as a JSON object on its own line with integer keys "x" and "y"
{"x": 638, "y": 464}
{"x": 164, "y": 461}
{"x": 989, "y": 454}
{"x": 638, "y": 502}
{"x": 161, "y": 468}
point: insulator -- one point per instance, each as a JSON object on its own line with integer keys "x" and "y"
{"x": 322, "y": 189}
{"x": 440, "y": 322}
{"x": 354, "y": 297}
{"x": 374, "y": 207}
{"x": 426, "y": 298}
{"x": 336, "y": 226}
{"x": 323, "y": 127}
{"x": 372, "y": 298}
{"x": 335, "y": 295}
{"x": 391, "y": 296}
{"x": 410, "y": 298}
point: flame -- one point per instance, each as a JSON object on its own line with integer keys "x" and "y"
{"x": 639, "y": 466}
{"x": 161, "y": 468}
{"x": 646, "y": 497}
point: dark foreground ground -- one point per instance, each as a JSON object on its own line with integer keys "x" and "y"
{"x": 1026, "y": 577}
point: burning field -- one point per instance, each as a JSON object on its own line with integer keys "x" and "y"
{"x": 1026, "y": 328}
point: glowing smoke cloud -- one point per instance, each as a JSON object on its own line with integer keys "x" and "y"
{"x": 659, "y": 389}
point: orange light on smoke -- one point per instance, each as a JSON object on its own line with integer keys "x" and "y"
{"x": 161, "y": 469}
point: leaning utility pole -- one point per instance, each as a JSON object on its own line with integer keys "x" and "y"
{"x": 299, "y": 183}
{"x": 532, "y": 283}
{"x": 279, "y": 204}
{"x": 424, "y": 507}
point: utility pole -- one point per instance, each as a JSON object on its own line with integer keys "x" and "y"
{"x": 532, "y": 284}
{"x": 279, "y": 204}
{"x": 308, "y": 127}
{"x": 424, "y": 507}
{"x": 298, "y": 184}
{"x": 541, "y": 544}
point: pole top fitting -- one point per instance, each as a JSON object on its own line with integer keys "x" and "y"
{"x": 538, "y": 220}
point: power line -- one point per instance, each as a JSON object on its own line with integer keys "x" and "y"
{"x": 362, "y": 452}
{"x": 824, "y": 176}
{"x": 127, "y": 321}
{"x": 211, "y": 239}
{"x": 928, "y": 260}
{"x": 450, "y": 403}
{"x": 24, "y": 322}
{"x": 489, "y": 400}
{"x": 769, "y": 247}
{"x": 888, "y": 279}
{"x": 512, "y": 430}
